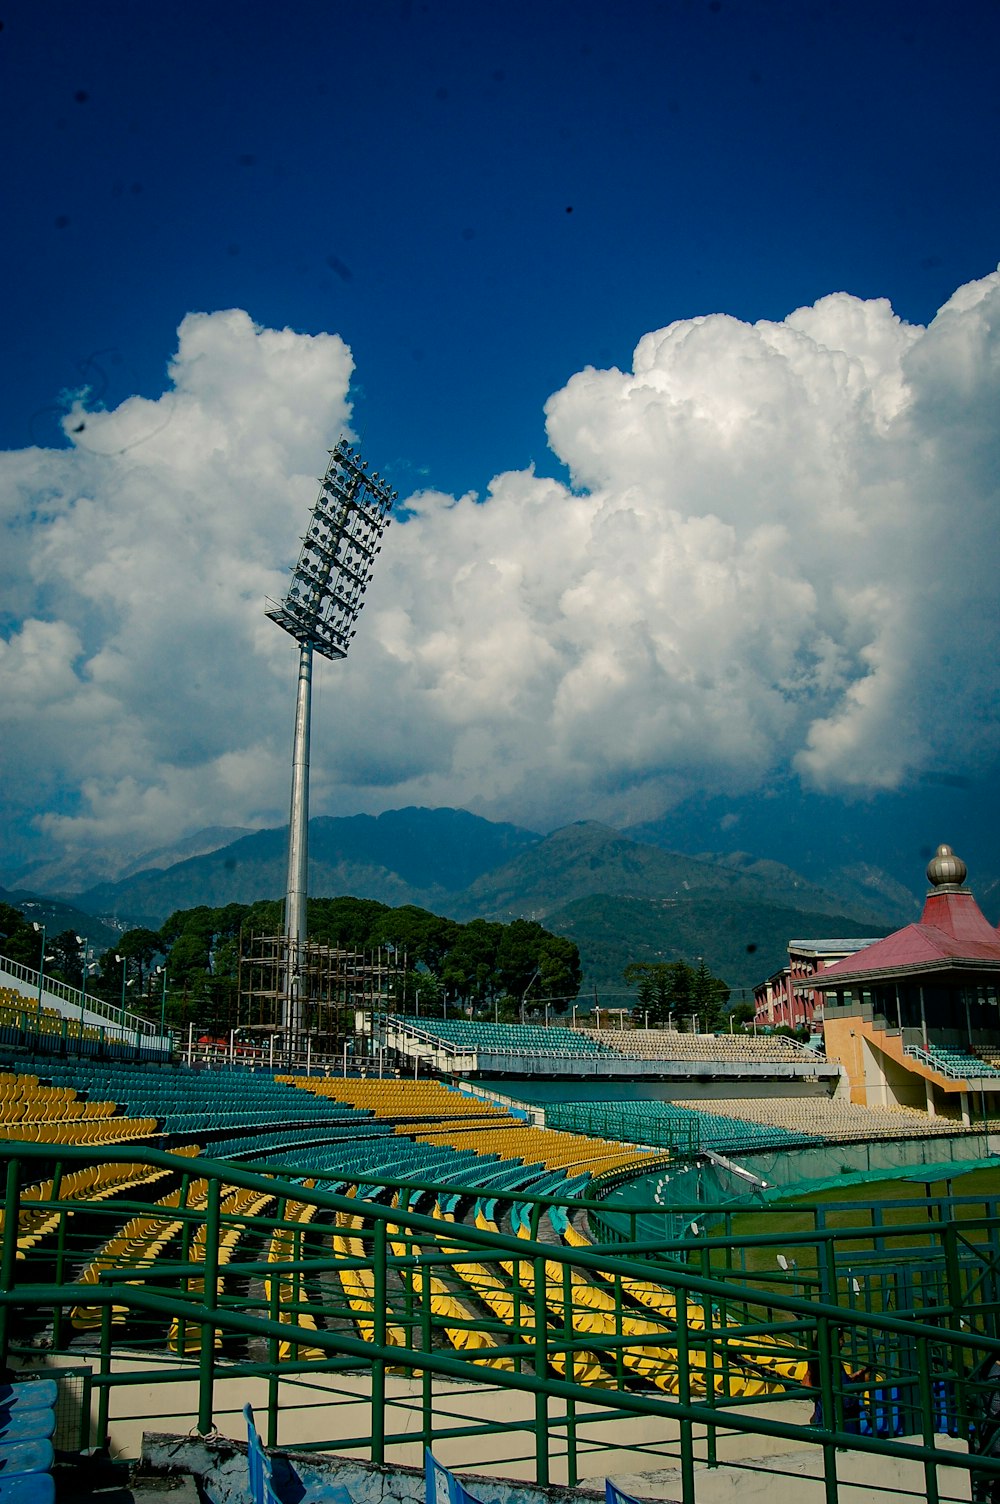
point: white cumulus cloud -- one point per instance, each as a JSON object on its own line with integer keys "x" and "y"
{"x": 777, "y": 550}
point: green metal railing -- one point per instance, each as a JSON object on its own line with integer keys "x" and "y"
{"x": 728, "y": 1349}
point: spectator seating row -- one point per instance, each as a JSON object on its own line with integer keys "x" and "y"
{"x": 400, "y": 1099}
{"x": 23, "y": 1017}
{"x": 278, "y": 1142}
{"x": 193, "y": 1101}
{"x": 39, "y": 1113}
{"x": 507, "y": 1135}
{"x": 646, "y": 1044}
{"x": 831, "y": 1119}
{"x": 670, "y": 1044}
{"x": 960, "y": 1063}
{"x": 434, "y": 1150}
{"x": 93, "y": 1184}
{"x": 672, "y": 1125}
{"x": 27, "y": 1424}
{"x": 507, "y": 1039}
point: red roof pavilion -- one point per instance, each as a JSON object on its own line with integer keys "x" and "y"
{"x": 951, "y": 934}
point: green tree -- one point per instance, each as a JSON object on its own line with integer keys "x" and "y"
{"x": 19, "y": 940}
{"x": 346, "y": 922}
{"x": 560, "y": 972}
{"x": 509, "y": 1009}
{"x": 469, "y": 969}
{"x": 67, "y": 958}
{"x": 139, "y": 946}
{"x": 264, "y": 917}
{"x": 418, "y": 992}
{"x": 537, "y": 966}
{"x": 662, "y": 989}
{"x": 414, "y": 933}
{"x": 679, "y": 990}
{"x": 188, "y": 957}
{"x": 673, "y": 990}
{"x": 709, "y": 996}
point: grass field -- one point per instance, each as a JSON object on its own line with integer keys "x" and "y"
{"x": 881, "y": 1268}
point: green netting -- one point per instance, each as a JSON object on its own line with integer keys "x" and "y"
{"x": 694, "y": 1194}
{"x": 809, "y": 1170}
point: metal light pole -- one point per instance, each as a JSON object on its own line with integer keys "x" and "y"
{"x": 524, "y": 994}
{"x": 319, "y": 611}
{"x": 162, "y": 971}
{"x": 41, "y": 959}
{"x": 83, "y": 990}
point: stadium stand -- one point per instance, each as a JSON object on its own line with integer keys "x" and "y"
{"x": 36, "y": 1112}
{"x": 187, "y": 1100}
{"x": 827, "y": 1119}
{"x": 959, "y": 1064}
{"x": 670, "y": 1044}
{"x": 509, "y": 1039}
{"x": 459, "y": 1115}
{"x": 25, "y": 1022}
{"x": 685, "y": 1127}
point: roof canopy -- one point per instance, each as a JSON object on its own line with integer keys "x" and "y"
{"x": 952, "y": 934}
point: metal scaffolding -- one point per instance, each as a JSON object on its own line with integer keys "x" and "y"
{"x": 330, "y": 986}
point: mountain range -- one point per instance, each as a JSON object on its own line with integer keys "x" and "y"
{"x": 621, "y": 899}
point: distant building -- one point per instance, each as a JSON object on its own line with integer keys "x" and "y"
{"x": 789, "y": 997}
{"x": 915, "y": 1018}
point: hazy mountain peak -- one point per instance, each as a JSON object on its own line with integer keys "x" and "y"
{"x": 199, "y": 844}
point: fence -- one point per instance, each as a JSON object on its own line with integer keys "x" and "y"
{"x": 319, "y": 1295}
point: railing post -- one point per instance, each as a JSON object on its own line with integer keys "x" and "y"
{"x": 379, "y": 1286}
{"x": 541, "y": 1368}
{"x": 956, "y": 1302}
{"x": 104, "y": 1397}
{"x": 8, "y": 1259}
{"x": 206, "y": 1366}
{"x": 571, "y": 1463}
{"x": 427, "y": 1386}
{"x": 927, "y": 1413}
{"x": 272, "y": 1287}
{"x": 57, "y": 1314}
{"x": 708, "y": 1368}
{"x": 826, "y": 1357}
{"x": 684, "y": 1394}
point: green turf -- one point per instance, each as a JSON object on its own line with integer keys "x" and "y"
{"x": 868, "y": 1266}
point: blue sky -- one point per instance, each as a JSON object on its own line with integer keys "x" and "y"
{"x": 482, "y": 202}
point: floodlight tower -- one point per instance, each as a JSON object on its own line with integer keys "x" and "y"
{"x": 320, "y": 609}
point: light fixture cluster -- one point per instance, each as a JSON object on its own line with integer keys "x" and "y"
{"x": 338, "y": 554}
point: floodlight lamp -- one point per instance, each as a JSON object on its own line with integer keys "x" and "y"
{"x": 328, "y": 583}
